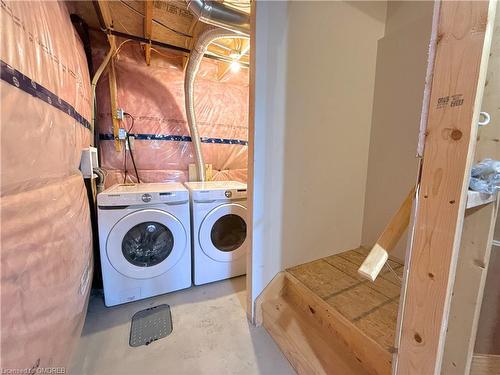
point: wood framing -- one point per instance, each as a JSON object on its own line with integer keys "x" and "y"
{"x": 148, "y": 27}
{"x": 388, "y": 240}
{"x": 461, "y": 56}
{"x": 315, "y": 338}
{"x": 114, "y": 94}
{"x": 250, "y": 189}
{"x": 374, "y": 358}
{"x": 488, "y": 143}
{"x": 485, "y": 364}
{"x": 271, "y": 292}
{"x": 105, "y": 13}
{"x": 472, "y": 268}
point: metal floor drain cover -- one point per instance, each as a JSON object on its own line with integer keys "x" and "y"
{"x": 150, "y": 325}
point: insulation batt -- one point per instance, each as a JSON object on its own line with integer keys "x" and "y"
{"x": 154, "y": 95}
{"x": 46, "y": 255}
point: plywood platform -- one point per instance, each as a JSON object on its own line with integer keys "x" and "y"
{"x": 370, "y": 306}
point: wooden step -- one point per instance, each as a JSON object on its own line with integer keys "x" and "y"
{"x": 374, "y": 357}
{"x": 315, "y": 337}
{"x": 308, "y": 348}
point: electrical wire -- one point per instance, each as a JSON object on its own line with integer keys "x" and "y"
{"x": 120, "y": 46}
{"x": 155, "y": 21}
{"x": 127, "y": 139}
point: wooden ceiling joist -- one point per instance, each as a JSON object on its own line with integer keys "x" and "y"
{"x": 148, "y": 27}
{"x": 103, "y": 13}
{"x": 165, "y": 24}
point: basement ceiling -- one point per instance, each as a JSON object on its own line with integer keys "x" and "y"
{"x": 169, "y": 22}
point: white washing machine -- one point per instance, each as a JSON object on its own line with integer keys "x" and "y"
{"x": 145, "y": 240}
{"x": 219, "y": 230}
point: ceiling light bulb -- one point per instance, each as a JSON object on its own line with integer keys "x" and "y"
{"x": 235, "y": 66}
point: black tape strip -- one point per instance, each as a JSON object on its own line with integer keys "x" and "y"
{"x": 176, "y": 138}
{"x": 22, "y": 82}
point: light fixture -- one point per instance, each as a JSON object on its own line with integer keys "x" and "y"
{"x": 235, "y": 66}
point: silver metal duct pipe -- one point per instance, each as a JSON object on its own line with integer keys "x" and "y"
{"x": 195, "y": 57}
{"x": 220, "y": 15}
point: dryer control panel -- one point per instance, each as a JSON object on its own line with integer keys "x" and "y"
{"x": 218, "y": 195}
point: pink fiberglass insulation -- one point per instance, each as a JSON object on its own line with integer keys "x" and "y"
{"x": 46, "y": 273}
{"x": 46, "y": 254}
{"x": 154, "y": 96}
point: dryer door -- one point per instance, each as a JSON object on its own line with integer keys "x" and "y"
{"x": 223, "y": 232}
{"x": 146, "y": 243}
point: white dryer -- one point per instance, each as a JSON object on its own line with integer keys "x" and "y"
{"x": 145, "y": 240}
{"x": 219, "y": 230}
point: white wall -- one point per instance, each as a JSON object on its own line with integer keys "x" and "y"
{"x": 315, "y": 76}
{"x": 332, "y": 48}
{"x": 399, "y": 87}
{"x": 270, "y": 96}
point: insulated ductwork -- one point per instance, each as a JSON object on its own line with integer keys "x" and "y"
{"x": 220, "y": 15}
{"x": 204, "y": 40}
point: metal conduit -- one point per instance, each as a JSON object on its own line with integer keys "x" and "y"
{"x": 218, "y": 14}
{"x": 193, "y": 65}
{"x": 230, "y": 23}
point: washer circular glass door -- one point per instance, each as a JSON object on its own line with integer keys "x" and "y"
{"x": 146, "y": 243}
{"x": 223, "y": 232}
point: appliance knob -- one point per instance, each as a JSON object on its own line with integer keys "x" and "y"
{"x": 146, "y": 198}
{"x": 228, "y": 194}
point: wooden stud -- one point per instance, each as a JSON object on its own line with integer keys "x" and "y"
{"x": 475, "y": 250}
{"x": 114, "y": 94}
{"x": 398, "y": 224}
{"x": 148, "y": 27}
{"x": 106, "y": 13}
{"x": 388, "y": 240}
{"x": 464, "y": 35}
{"x": 193, "y": 172}
{"x": 488, "y": 145}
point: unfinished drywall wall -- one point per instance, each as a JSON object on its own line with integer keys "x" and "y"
{"x": 315, "y": 74}
{"x": 399, "y": 88}
{"x": 332, "y": 50}
{"x": 269, "y": 128}
{"x": 46, "y": 240}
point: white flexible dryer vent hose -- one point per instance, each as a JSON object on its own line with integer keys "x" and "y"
{"x": 195, "y": 57}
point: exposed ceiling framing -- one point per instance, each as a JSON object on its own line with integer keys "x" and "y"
{"x": 163, "y": 24}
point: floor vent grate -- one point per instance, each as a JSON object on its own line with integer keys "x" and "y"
{"x": 150, "y": 325}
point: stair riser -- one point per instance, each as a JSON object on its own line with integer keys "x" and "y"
{"x": 374, "y": 358}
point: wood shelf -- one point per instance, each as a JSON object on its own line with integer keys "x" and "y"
{"x": 475, "y": 198}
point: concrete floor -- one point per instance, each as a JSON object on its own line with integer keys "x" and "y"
{"x": 211, "y": 335}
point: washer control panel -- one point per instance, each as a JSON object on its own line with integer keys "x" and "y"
{"x": 153, "y": 195}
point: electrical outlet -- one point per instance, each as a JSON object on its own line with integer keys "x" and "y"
{"x": 120, "y": 113}
{"x": 122, "y": 134}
